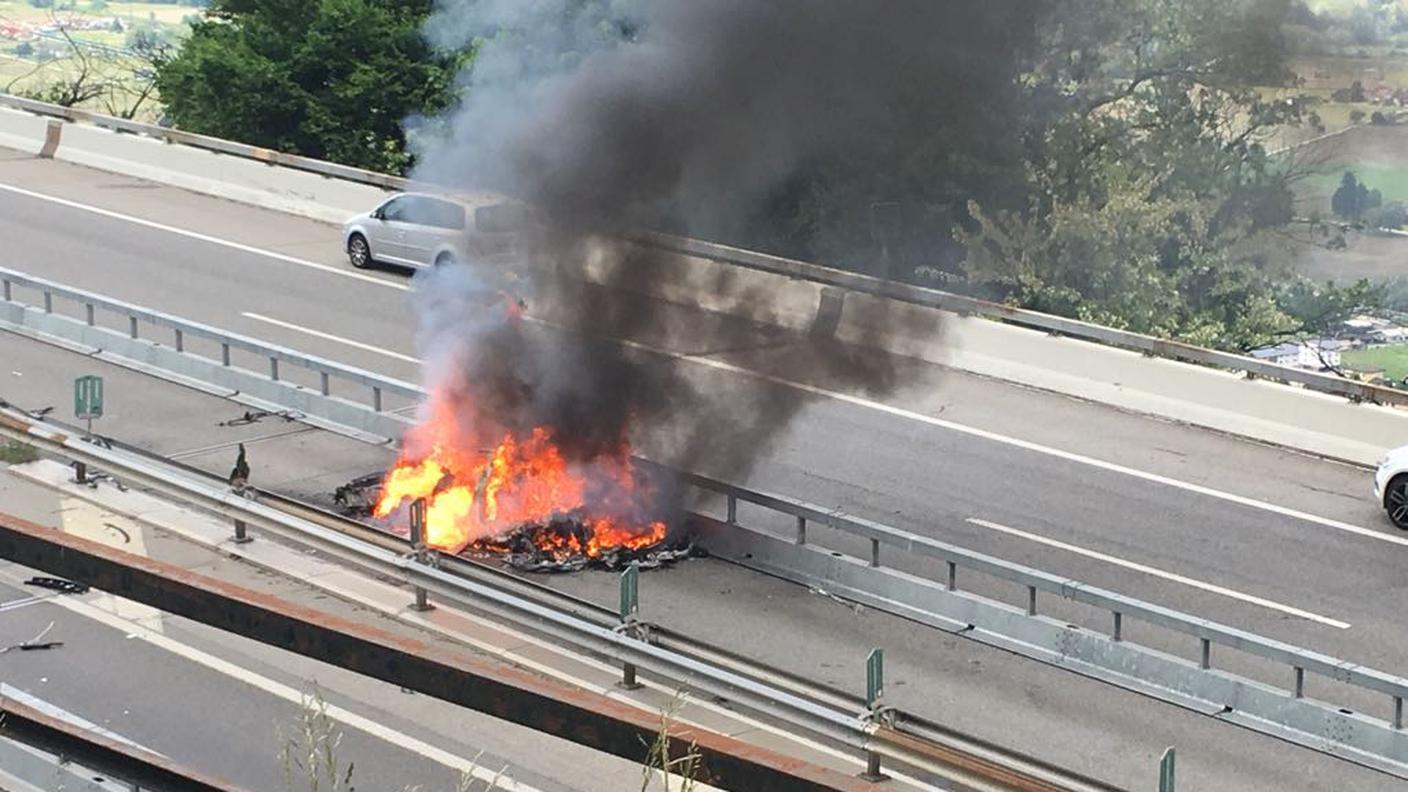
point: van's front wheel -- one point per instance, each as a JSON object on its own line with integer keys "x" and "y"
{"x": 444, "y": 260}
{"x": 359, "y": 252}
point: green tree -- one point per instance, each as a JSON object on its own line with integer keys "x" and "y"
{"x": 1150, "y": 202}
{"x": 331, "y": 79}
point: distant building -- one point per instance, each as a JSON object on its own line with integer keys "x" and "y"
{"x": 1315, "y": 355}
{"x": 1363, "y": 373}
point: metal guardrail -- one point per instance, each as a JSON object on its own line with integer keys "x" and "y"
{"x": 898, "y": 736}
{"x": 376, "y": 386}
{"x": 1299, "y": 661}
{"x": 1209, "y": 633}
{"x": 792, "y": 268}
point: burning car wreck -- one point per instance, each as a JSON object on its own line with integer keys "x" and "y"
{"x": 567, "y": 541}
{"x": 540, "y": 504}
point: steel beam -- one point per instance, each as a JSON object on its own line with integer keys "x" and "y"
{"x": 506, "y": 692}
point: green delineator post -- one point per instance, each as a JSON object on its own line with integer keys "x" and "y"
{"x": 1166, "y": 772}
{"x": 630, "y": 593}
{"x": 630, "y": 607}
{"x": 874, "y": 692}
{"x": 87, "y": 405}
{"x": 88, "y": 399}
{"x": 874, "y": 677}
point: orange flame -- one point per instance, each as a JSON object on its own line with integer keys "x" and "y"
{"x": 473, "y": 495}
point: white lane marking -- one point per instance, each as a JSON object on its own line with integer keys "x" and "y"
{"x": 858, "y": 401}
{"x": 55, "y": 711}
{"x": 940, "y": 423}
{"x": 1159, "y": 573}
{"x": 1025, "y": 445}
{"x": 340, "y": 271}
{"x": 330, "y": 337}
{"x": 280, "y": 690}
{"x": 25, "y": 602}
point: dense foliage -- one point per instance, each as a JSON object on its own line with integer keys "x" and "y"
{"x": 332, "y": 79}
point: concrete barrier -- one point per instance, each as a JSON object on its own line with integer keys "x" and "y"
{"x": 1215, "y": 398}
{"x": 236, "y": 178}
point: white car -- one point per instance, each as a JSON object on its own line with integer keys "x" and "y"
{"x": 1391, "y": 486}
{"x": 420, "y": 230}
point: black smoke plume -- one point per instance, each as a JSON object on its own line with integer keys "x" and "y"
{"x": 700, "y": 117}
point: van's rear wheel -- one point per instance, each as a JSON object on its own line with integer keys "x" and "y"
{"x": 1396, "y": 501}
{"x": 359, "y": 252}
{"x": 444, "y": 260}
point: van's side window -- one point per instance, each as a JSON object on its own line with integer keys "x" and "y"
{"x": 395, "y": 209}
{"x": 448, "y": 215}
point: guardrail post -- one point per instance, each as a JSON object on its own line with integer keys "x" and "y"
{"x": 1300, "y": 682}
{"x": 1398, "y": 712}
{"x": 224, "y": 354}
{"x": 874, "y": 702}
{"x": 417, "y": 510}
{"x": 1031, "y": 600}
{"x": 88, "y": 312}
{"x": 80, "y": 472}
{"x": 1166, "y": 772}
{"x": 323, "y": 381}
{"x": 875, "y": 552}
{"x": 732, "y": 509}
{"x": 629, "y": 613}
{"x": 9, "y": 293}
{"x": 1118, "y": 633}
{"x": 952, "y": 576}
{"x": 48, "y": 301}
{"x": 376, "y": 399}
{"x": 241, "y": 533}
{"x": 801, "y": 530}
{"x": 1206, "y": 662}
{"x": 132, "y": 326}
{"x": 180, "y": 340}
{"x": 274, "y": 369}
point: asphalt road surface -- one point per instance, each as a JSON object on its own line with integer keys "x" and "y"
{"x": 1253, "y": 536}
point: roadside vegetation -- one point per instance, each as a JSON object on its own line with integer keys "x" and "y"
{"x": 311, "y": 756}
{"x": 93, "y": 54}
{"x": 13, "y": 452}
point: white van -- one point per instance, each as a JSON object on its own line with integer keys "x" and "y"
{"x": 421, "y": 230}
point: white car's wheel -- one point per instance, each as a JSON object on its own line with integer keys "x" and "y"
{"x": 359, "y": 252}
{"x": 1396, "y": 501}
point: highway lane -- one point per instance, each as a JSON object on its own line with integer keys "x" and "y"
{"x": 1017, "y": 703}
{"x": 881, "y": 458}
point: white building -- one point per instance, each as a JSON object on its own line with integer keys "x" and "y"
{"x": 1315, "y": 355}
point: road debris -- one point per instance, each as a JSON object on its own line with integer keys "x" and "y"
{"x": 58, "y": 584}
{"x": 37, "y": 643}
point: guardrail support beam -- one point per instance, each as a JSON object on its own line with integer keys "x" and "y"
{"x": 422, "y": 554}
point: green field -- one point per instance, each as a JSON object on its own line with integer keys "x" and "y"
{"x": 1389, "y": 179}
{"x": 1392, "y": 359}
